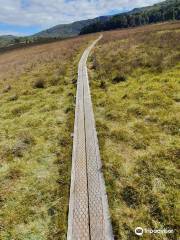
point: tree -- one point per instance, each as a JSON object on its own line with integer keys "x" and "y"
{"x": 131, "y": 21}
{"x": 16, "y": 40}
{"x": 168, "y": 10}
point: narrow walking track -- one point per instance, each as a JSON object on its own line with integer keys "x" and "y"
{"x": 88, "y": 207}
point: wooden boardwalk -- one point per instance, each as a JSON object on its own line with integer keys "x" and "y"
{"x": 88, "y": 207}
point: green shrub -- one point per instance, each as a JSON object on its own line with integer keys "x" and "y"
{"x": 13, "y": 97}
{"x": 7, "y": 88}
{"x": 18, "y": 149}
{"x": 120, "y": 134}
{"x": 131, "y": 196}
{"x": 14, "y": 173}
{"x": 103, "y": 84}
{"x": 155, "y": 210}
{"x": 55, "y": 80}
{"x": 39, "y": 83}
{"x": 118, "y": 79}
{"x": 26, "y": 138}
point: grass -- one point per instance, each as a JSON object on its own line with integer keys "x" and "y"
{"x": 37, "y": 89}
{"x": 135, "y": 90}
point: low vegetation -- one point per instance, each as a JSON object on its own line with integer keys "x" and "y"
{"x": 135, "y": 83}
{"x": 37, "y": 89}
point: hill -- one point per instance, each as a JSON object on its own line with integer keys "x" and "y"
{"x": 168, "y": 10}
{"x": 58, "y": 32}
{"x": 69, "y": 30}
{"x": 10, "y": 40}
{"x": 164, "y": 11}
{"x": 6, "y": 40}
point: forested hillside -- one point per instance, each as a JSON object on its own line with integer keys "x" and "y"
{"x": 165, "y": 11}
{"x": 69, "y": 30}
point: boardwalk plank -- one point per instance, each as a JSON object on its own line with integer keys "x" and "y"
{"x": 88, "y": 207}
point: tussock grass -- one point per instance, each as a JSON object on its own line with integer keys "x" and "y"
{"x": 135, "y": 90}
{"x": 37, "y": 115}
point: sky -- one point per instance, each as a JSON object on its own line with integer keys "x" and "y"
{"x": 25, "y": 17}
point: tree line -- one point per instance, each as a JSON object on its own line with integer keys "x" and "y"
{"x": 168, "y": 10}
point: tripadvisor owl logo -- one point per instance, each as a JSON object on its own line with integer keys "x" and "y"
{"x": 139, "y": 231}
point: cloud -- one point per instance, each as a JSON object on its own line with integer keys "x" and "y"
{"x": 47, "y": 13}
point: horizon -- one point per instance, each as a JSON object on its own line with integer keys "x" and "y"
{"x": 28, "y": 17}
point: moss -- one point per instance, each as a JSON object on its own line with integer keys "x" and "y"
{"x": 138, "y": 127}
{"x": 35, "y": 140}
